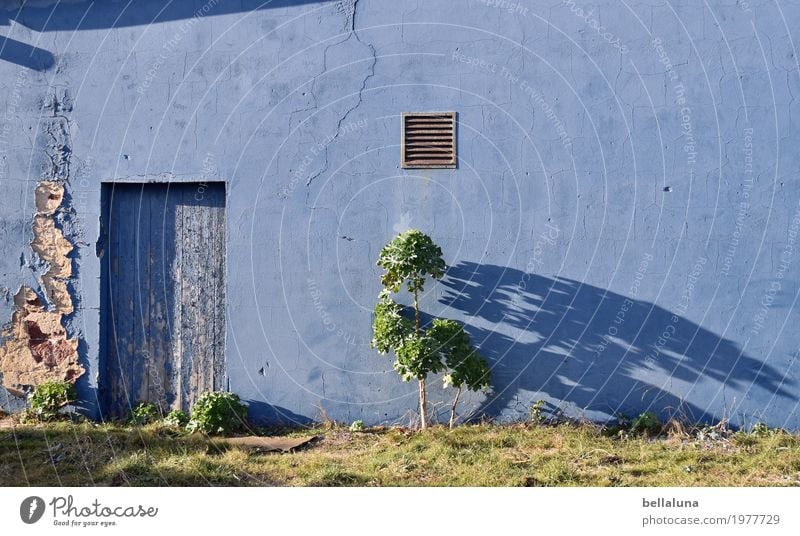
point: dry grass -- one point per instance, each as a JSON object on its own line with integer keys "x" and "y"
{"x": 477, "y": 455}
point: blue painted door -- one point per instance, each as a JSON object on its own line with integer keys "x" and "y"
{"x": 163, "y": 284}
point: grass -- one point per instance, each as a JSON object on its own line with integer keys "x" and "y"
{"x": 87, "y": 454}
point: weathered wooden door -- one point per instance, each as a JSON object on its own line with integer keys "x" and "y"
{"x": 163, "y": 284}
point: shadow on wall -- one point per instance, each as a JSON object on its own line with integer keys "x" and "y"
{"x": 263, "y": 414}
{"x": 596, "y": 352}
{"x": 53, "y": 16}
{"x": 25, "y": 55}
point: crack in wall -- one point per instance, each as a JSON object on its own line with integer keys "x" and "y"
{"x": 57, "y": 129}
{"x": 350, "y": 9}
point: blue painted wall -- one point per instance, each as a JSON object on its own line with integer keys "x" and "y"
{"x": 622, "y": 226}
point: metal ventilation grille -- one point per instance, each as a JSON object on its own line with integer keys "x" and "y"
{"x": 429, "y": 140}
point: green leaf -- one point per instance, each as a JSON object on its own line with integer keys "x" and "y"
{"x": 49, "y": 397}
{"x": 409, "y": 258}
{"x": 390, "y": 328}
{"x": 217, "y": 412}
{"x": 467, "y": 368}
{"x": 417, "y": 357}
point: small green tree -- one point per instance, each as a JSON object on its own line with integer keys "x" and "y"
{"x": 409, "y": 259}
{"x": 466, "y": 367}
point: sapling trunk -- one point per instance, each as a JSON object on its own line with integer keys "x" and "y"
{"x": 453, "y": 409}
{"x": 423, "y": 403}
{"x": 416, "y": 312}
{"x": 423, "y": 395}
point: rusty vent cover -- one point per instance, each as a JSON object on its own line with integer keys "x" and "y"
{"x": 429, "y": 140}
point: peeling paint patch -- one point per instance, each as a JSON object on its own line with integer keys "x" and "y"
{"x": 36, "y": 347}
{"x": 52, "y": 247}
{"x": 48, "y": 196}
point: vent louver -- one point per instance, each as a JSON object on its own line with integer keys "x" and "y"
{"x": 429, "y": 140}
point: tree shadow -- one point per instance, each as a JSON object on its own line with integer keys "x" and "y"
{"x": 68, "y": 16}
{"x": 596, "y": 354}
{"x": 25, "y": 55}
{"x": 58, "y": 16}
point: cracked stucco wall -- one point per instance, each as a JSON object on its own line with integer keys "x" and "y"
{"x": 36, "y": 346}
{"x": 654, "y": 162}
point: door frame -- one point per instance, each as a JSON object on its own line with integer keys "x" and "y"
{"x": 104, "y": 404}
